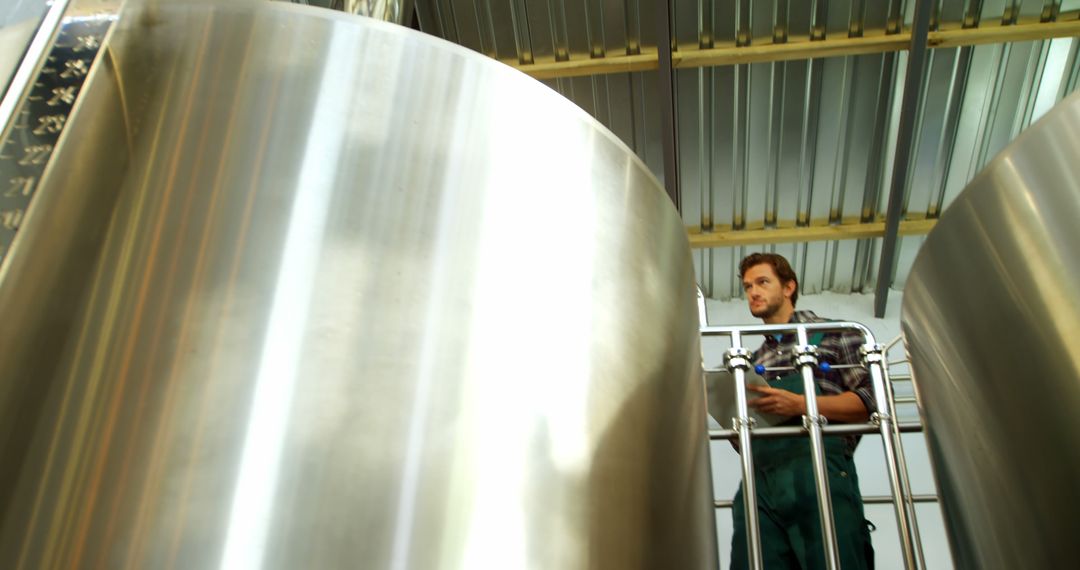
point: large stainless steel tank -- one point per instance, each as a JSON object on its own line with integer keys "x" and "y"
{"x": 991, "y": 318}
{"x": 306, "y": 290}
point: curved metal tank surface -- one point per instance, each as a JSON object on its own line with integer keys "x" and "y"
{"x": 991, "y": 319}
{"x": 307, "y": 290}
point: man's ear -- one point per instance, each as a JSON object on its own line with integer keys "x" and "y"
{"x": 789, "y": 289}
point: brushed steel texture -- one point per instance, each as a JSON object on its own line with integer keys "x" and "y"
{"x": 991, "y": 318}
{"x": 306, "y": 290}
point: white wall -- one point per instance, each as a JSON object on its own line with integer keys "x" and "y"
{"x": 873, "y": 476}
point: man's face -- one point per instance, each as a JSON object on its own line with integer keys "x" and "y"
{"x": 764, "y": 292}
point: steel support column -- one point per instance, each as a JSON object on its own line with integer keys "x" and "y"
{"x": 669, "y": 127}
{"x": 913, "y": 81}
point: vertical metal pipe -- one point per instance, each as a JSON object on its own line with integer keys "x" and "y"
{"x": 807, "y": 158}
{"x": 705, "y": 24}
{"x": 913, "y": 81}
{"x": 741, "y": 147}
{"x": 1012, "y": 11}
{"x": 633, "y": 27}
{"x": 737, "y": 360}
{"x": 744, "y": 32}
{"x": 706, "y": 103}
{"x": 703, "y": 315}
{"x": 638, "y": 112}
{"x": 780, "y": 22}
{"x": 872, "y": 358}
{"x": 776, "y": 141}
{"x": 875, "y": 163}
{"x": 708, "y": 265}
{"x": 557, "y": 22}
{"x": 973, "y": 14}
{"x": 447, "y": 24}
{"x": 594, "y": 27}
{"x": 708, "y": 82}
{"x": 895, "y": 21}
{"x": 856, "y": 18}
{"x": 1050, "y": 11}
{"x": 845, "y": 133}
{"x": 902, "y": 467}
{"x": 519, "y": 13}
{"x": 668, "y": 103}
{"x": 917, "y": 133}
{"x": 484, "y": 23}
{"x": 1070, "y": 71}
{"x": 819, "y": 14}
{"x": 777, "y": 91}
{"x": 1029, "y": 91}
{"x": 947, "y": 144}
{"x": 448, "y": 16}
{"x": 990, "y": 110}
{"x": 601, "y": 92}
{"x": 805, "y": 360}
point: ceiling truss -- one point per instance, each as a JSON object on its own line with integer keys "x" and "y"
{"x": 802, "y": 49}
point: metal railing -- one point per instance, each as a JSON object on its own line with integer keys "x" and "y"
{"x": 737, "y": 360}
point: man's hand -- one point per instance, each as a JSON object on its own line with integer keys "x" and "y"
{"x": 777, "y": 401}
{"x": 844, "y": 408}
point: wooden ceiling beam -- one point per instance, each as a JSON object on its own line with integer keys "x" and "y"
{"x": 799, "y": 49}
{"x": 585, "y": 66}
{"x": 731, "y": 238}
{"x": 996, "y": 34}
{"x": 791, "y": 50}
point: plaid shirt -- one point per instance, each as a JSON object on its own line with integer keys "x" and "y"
{"x": 834, "y": 348}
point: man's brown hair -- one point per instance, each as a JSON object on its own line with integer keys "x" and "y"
{"x": 780, "y": 266}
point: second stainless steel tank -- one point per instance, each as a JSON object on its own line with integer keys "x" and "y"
{"x": 991, "y": 319}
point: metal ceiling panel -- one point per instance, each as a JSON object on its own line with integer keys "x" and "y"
{"x": 527, "y": 30}
{"x": 624, "y": 103}
{"x": 807, "y": 142}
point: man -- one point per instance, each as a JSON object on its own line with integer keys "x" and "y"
{"x": 787, "y": 496}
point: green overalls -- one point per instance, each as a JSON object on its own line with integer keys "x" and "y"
{"x": 788, "y": 507}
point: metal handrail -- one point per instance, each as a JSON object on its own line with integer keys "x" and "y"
{"x": 866, "y": 499}
{"x": 902, "y": 469}
{"x": 737, "y": 361}
{"x": 799, "y": 431}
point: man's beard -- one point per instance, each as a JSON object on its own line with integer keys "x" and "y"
{"x": 770, "y": 309}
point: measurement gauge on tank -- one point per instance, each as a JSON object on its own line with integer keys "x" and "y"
{"x": 41, "y": 117}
